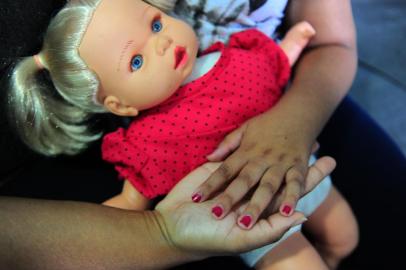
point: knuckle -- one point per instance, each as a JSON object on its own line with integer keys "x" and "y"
{"x": 281, "y": 157}
{"x": 294, "y": 175}
{"x": 249, "y": 146}
{"x": 207, "y": 187}
{"x": 225, "y": 171}
{"x": 268, "y": 187}
{"x": 246, "y": 179}
{"x": 293, "y": 197}
{"x": 267, "y": 152}
{"x": 259, "y": 163}
{"x": 297, "y": 160}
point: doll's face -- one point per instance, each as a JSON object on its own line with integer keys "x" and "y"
{"x": 140, "y": 54}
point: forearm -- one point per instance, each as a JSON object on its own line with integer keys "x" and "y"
{"x": 324, "y": 73}
{"x": 322, "y": 78}
{"x": 37, "y": 234}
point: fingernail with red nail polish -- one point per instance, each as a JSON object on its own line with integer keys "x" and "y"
{"x": 287, "y": 209}
{"x": 217, "y": 211}
{"x": 246, "y": 221}
{"x": 196, "y": 197}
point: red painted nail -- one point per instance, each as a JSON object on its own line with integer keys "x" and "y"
{"x": 217, "y": 211}
{"x": 287, "y": 209}
{"x": 196, "y": 197}
{"x": 246, "y": 221}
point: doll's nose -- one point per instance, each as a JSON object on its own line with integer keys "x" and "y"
{"x": 162, "y": 44}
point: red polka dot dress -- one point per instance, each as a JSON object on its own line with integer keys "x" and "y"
{"x": 165, "y": 143}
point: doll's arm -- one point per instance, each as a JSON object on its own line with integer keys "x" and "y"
{"x": 129, "y": 198}
{"x": 296, "y": 40}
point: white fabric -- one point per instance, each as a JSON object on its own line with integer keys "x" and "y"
{"x": 215, "y": 20}
{"x": 203, "y": 65}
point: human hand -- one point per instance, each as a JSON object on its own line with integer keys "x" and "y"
{"x": 189, "y": 226}
{"x": 268, "y": 157}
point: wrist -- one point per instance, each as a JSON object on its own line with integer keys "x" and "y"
{"x": 290, "y": 128}
{"x": 163, "y": 236}
{"x": 299, "y": 117}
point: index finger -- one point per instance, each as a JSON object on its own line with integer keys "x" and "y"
{"x": 223, "y": 175}
{"x": 316, "y": 173}
{"x": 180, "y": 192}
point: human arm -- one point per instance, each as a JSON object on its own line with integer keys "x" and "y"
{"x": 129, "y": 198}
{"x": 274, "y": 147}
{"x": 39, "y": 234}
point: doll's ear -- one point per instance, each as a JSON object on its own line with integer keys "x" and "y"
{"x": 113, "y": 104}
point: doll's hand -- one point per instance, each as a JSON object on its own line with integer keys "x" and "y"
{"x": 189, "y": 226}
{"x": 267, "y": 152}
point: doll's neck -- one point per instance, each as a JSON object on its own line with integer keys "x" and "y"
{"x": 203, "y": 65}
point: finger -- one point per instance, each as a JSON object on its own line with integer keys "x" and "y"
{"x": 220, "y": 177}
{"x": 315, "y": 147}
{"x": 269, "y": 185}
{"x": 317, "y": 172}
{"x": 294, "y": 188}
{"x": 270, "y": 230}
{"x": 238, "y": 188}
{"x": 182, "y": 190}
{"x": 231, "y": 142}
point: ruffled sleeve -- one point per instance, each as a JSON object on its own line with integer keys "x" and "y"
{"x": 130, "y": 161}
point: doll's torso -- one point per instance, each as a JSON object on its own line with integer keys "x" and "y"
{"x": 165, "y": 143}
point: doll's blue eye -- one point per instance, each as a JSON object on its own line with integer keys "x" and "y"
{"x": 136, "y": 62}
{"x": 156, "y": 25}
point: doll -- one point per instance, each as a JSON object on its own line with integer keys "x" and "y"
{"x": 183, "y": 105}
{"x": 149, "y": 70}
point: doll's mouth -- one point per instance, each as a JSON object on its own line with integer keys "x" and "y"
{"x": 181, "y": 56}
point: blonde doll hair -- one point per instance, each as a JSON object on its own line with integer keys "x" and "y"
{"x": 55, "y": 119}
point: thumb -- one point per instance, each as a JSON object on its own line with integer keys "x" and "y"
{"x": 281, "y": 224}
{"x": 272, "y": 229}
{"x": 230, "y": 143}
{"x": 318, "y": 171}
{"x": 315, "y": 147}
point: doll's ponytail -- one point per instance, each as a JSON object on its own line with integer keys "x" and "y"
{"x": 50, "y": 108}
{"x": 45, "y": 121}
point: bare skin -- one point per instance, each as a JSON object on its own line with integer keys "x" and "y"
{"x": 273, "y": 148}
{"x": 296, "y": 39}
{"x": 334, "y": 232}
{"x": 297, "y": 247}
{"x": 334, "y": 229}
{"x": 39, "y": 234}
